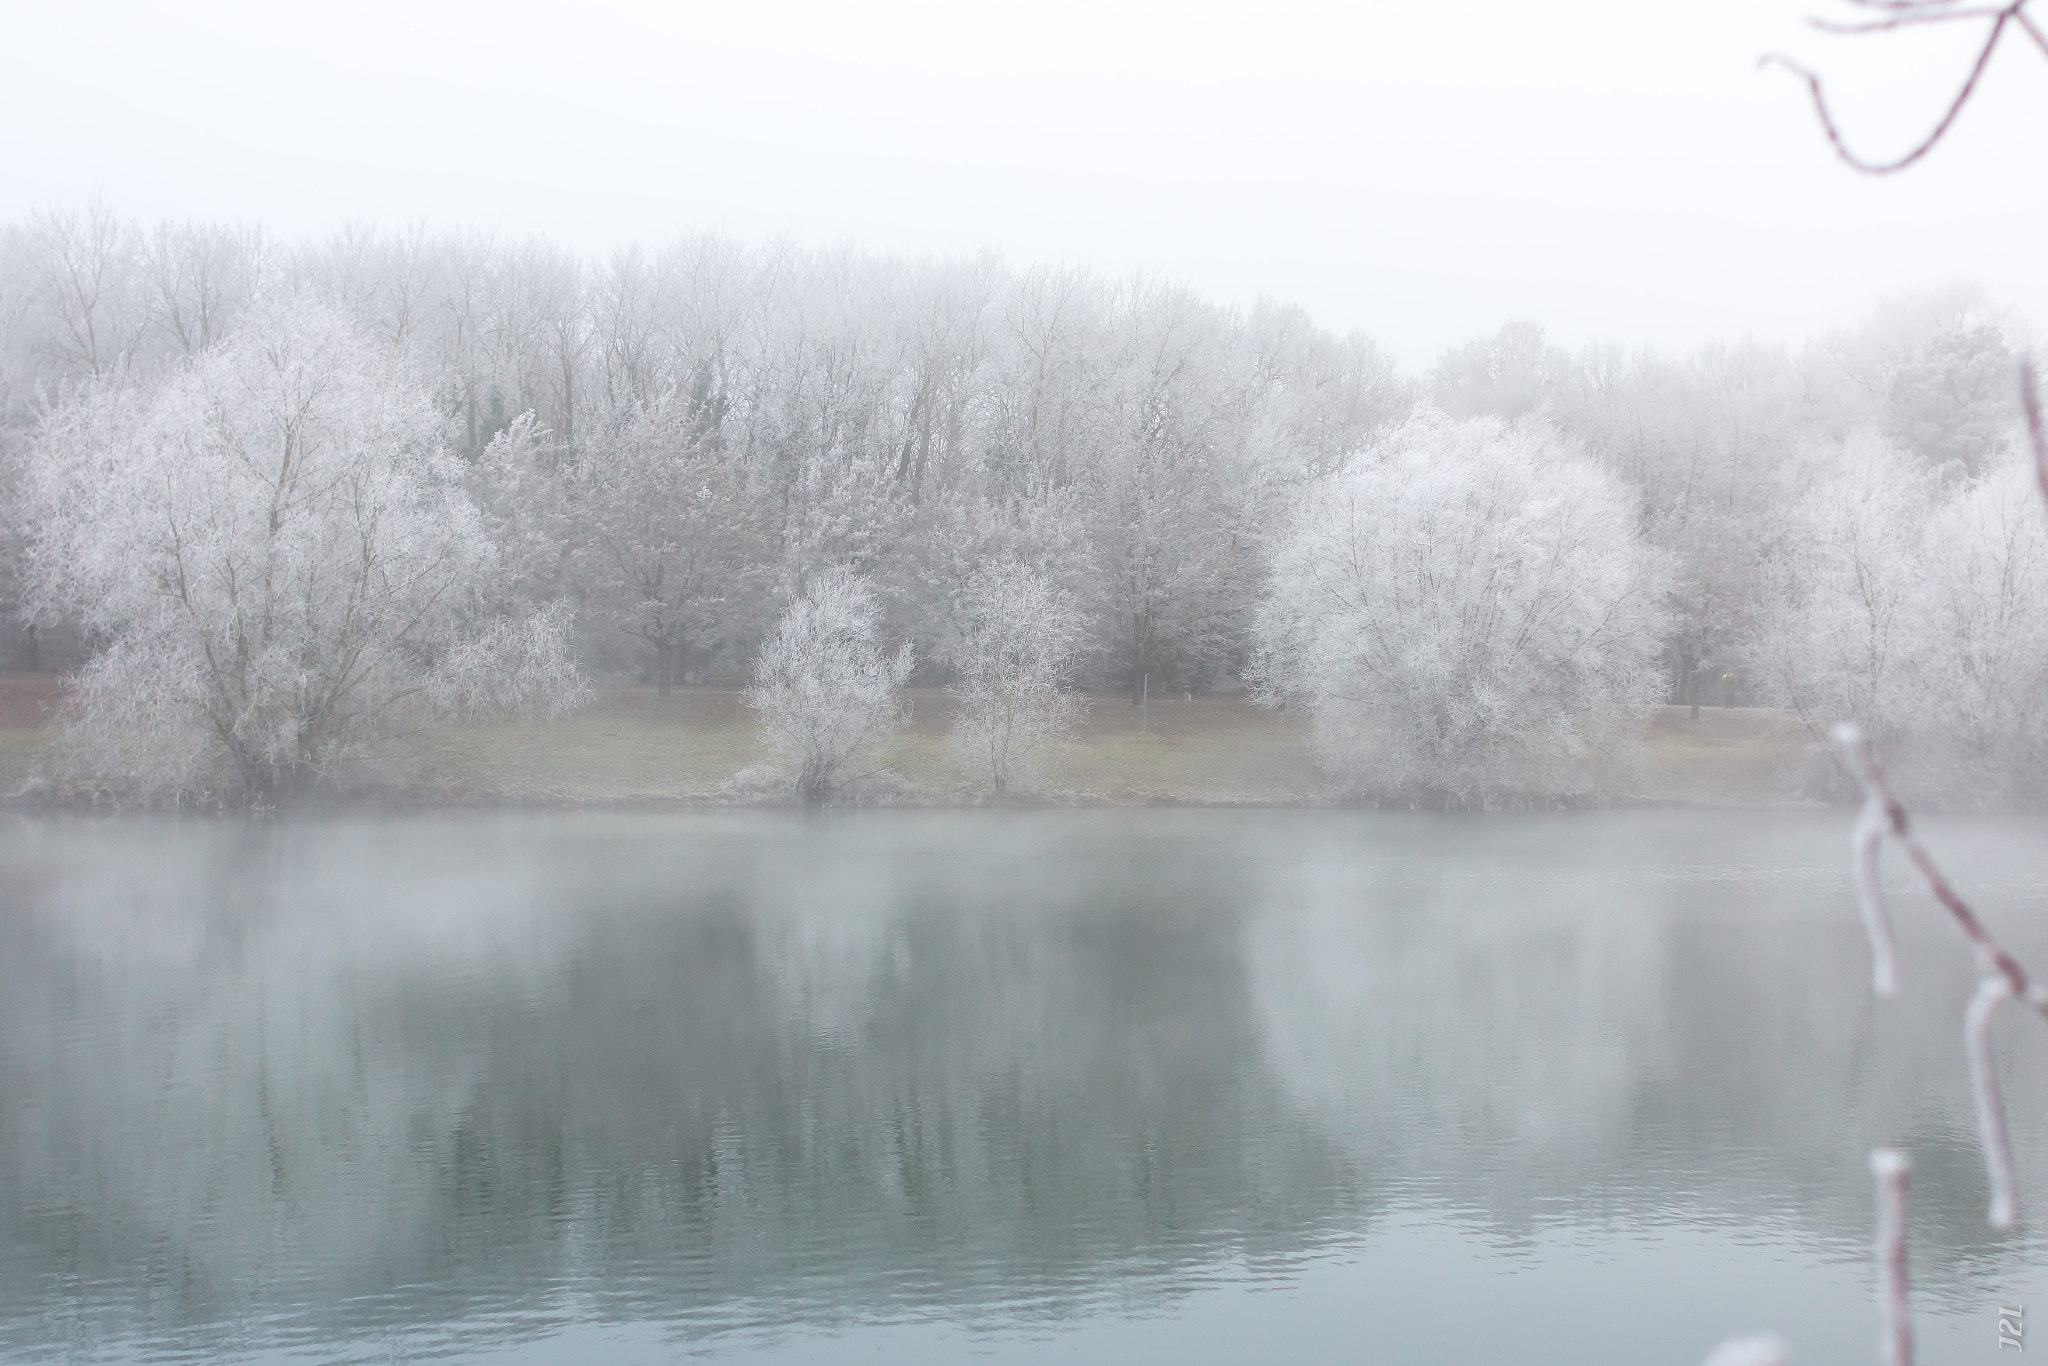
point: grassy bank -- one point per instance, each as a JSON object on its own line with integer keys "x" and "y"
{"x": 634, "y": 746}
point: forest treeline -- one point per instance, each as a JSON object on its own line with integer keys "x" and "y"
{"x": 668, "y": 444}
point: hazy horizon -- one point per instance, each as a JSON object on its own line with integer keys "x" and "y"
{"x": 1422, "y": 177}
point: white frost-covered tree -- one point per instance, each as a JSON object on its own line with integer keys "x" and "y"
{"x": 274, "y": 549}
{"x": 1017, "y": 646}
{"x": 1468, "y": 613}
{"x": 823, "y": 686}
{"x": 1918, "y": 609}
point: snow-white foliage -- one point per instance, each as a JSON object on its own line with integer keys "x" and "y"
{"x": 1919, "y": 610}
{"x": 1015, "y": 651}
{"x": 1468, "y": 613}
{"x": 275, "y": 547}
{"x": 824, "y": 688}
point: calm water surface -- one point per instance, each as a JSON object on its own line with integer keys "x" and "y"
{"x": 920, "y": 1087}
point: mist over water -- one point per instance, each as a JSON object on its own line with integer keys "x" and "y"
{"x": 1132, "y": 1086}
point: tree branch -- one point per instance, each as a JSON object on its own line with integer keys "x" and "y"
{"x": 1901, "y": 14}
{"x": 1895, "y": 1346}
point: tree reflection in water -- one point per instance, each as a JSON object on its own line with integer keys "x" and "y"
{"x": 482, "y": 1083}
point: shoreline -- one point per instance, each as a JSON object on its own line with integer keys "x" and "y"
{"x": 632, "y": 749}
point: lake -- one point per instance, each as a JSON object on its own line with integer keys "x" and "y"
{"x": 1090, "y": 1086}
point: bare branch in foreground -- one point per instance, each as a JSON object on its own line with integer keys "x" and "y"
{"x": 1991, "y": 1126}
{"x": 2000, "y": 975}
{"x": 1900, "y": 14}
{"x": 1992, "y": 957}
{"x": 1867, "y": 837}
{"x": 1895, "y": 1344}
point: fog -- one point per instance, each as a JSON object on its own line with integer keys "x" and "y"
{"x": 348, "y": 1082}
{"x": 1502, "y": 419}
{"x": 1422, "y": 173}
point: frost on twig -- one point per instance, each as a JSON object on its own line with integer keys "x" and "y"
{"x": 1867, "y": 837}
{"x": 1991, "y": 1126}
{"x": 2000, "y": 975}
{"x": 1895, "y": 1344}
{"x": 1992, "y": 957}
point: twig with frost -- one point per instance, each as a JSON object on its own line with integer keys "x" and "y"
{"x": 1992, "y": 957}
{"x": 1895, "y": 1343}
{"x": 2000, "y": 978}
{"x": 1999, "y": 974}
{"x": 1888, "y": 1251}
{"x": 1991, "y": 1127}
{"x": 1867, "y": 838}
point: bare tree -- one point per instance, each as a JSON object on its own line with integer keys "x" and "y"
{"x": 198, "y": 277}
{"x": 83, "y": 292}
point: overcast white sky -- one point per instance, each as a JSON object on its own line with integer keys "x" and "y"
{"x": 1421, "y": 171}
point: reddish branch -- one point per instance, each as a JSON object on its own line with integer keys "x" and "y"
{"x": 1895, "y": 1345}
{"x": 1991, "y": 1128}
{"x": 1898, "y": 14}
{"x": 1999, "y": 975}
{"x": 1884, "y": 809}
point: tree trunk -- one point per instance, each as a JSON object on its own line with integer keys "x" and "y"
{"x": 664, "y": 666}
{"x": 35, "y": 651}
{"x": 568, "y": 403}
{"x": 1141, "y": 664}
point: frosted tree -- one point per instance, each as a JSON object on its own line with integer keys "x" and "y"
{"x": 197, "y": 279}
{"x": 1836, "y": 638}
{"x": 1984, "y": 628}
{"x": 86, "y": 315}
{"x": 1468, "y": 613}
{"x": 1171, "y": 572}
{"x": 1016, "y": 649}
{"x": 824, "y": 688}
{"x": 1919, "y": 611}
{"x": 276, "y": 549}
{"x": 1509, "y": 375}
{"x": 1704, "y": 440}
{"x": 1933, "y": 370}
{"x": 675, "y": 545}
